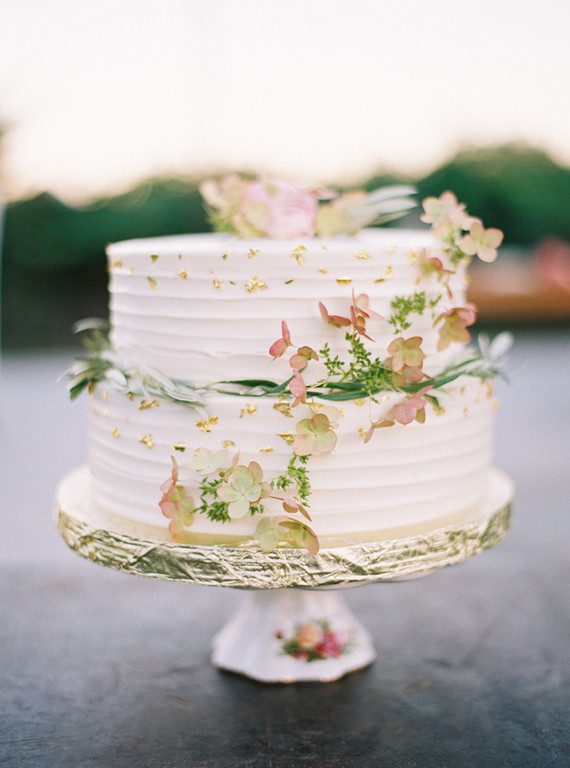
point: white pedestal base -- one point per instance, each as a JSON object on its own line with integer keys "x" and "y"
{"x": 288, "y": 635}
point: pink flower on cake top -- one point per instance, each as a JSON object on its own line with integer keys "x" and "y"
{"x": 274, "y": 209}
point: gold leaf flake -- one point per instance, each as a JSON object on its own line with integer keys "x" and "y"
{"x": 152, "y": 283}
{"x": 130, "y": 396}
{"x": 117, "y": 264}
{"x": 91, "y": 387}
{"x": 288, "y": 282}
{"x": 179, "y": 447}
{"x": 344, "y": 280}
{"x": 254, "y": 283}
{"x": 283, "y": 407}
{"x": 207, "y": 424}
{"x": 495, "y": 405}
{"x": 147, "y": 440}
{"x": 266, "y": 450}
{"x": 392, "y": 250}
{"x": 131, "y": 271}
{"x": 289, "y": 437}
{"x": 252, "y": 252}
{"x": 154, "y": 257}
{"x": 228, "y": 444}
{"x": 115, "y": 433}
{"x": 183, "y": 273}
{"x": 323, "y": 270}
{"x": 250, "y": 408}
{"x": 297, "y": 254}
{"x": 359, "y": 401}
{"x": 489, "y": 388}
{"x": 224, "y": 256}
{"x": 466, "y": 411}
{"x": 412, "y": 256}
{"x": 362, "y": 432}
{"x": 217, "y": 283}
{"x": 362, "y": 255}
{"x": 148, "y": 404}
{"x": 387, "y": 276}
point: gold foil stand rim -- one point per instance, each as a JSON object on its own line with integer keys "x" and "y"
{"x": 246, "y": 566}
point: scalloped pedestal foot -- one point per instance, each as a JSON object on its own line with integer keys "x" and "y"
{"x": 289, "y": 635}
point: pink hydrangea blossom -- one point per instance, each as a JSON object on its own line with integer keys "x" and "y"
{"x": 454, "y": 326}
{"x": 361, "y": 305}
{"x": 446, "y": 215}
{"x": 279, "y": 346}
{"x": 360, "y": 312}
{"x": 481, "y": 241}
{"x": 207, "y": 462}
{"x": 411, "y": 408}
{"x": 406, "y": 359}
{"x": 175, "y": 504}
{"x": 245, "y": 487}
{"x": 337, "y": 320}
{"x": 314, "y": 435}
{"x": 299, "y": 360}
{"x": 432, "y": 265}
{"x": 298, "y": 388}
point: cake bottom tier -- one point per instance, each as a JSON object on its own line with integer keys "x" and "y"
{"x": 406, "y": 478}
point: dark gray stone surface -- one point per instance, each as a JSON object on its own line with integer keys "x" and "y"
{"x": 101, "y": 669}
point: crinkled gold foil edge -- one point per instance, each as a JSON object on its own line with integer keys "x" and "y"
{"x": 246, "y": 566}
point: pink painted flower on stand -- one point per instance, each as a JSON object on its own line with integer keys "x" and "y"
{"x": 314, "y": 641}
{"x": 314, "y": 435}
{"x": 481, "y": 241}
{"x": 454, "y": 326}
{"x": 279, "y": 346}
{"x": 175, "y": 504}
{"x": 245, "y": 488}
{"x": 406, "y": 360}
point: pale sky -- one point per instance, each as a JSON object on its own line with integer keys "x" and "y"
{"x": 100, "y": 95}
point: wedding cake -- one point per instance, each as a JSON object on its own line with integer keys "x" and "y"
{"x": 294, "y": 378}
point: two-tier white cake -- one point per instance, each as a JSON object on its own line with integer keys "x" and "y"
{"x": 300, "y": 389}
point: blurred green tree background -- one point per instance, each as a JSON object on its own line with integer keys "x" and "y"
{"x": 54, "y": 268}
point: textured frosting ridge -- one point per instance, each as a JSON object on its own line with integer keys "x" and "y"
{"x": 208, "y": 307}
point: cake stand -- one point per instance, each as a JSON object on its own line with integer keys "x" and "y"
{"x": 292, "y": 625}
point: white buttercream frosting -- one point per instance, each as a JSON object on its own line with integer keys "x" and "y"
{"x": 206, "y": 308}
